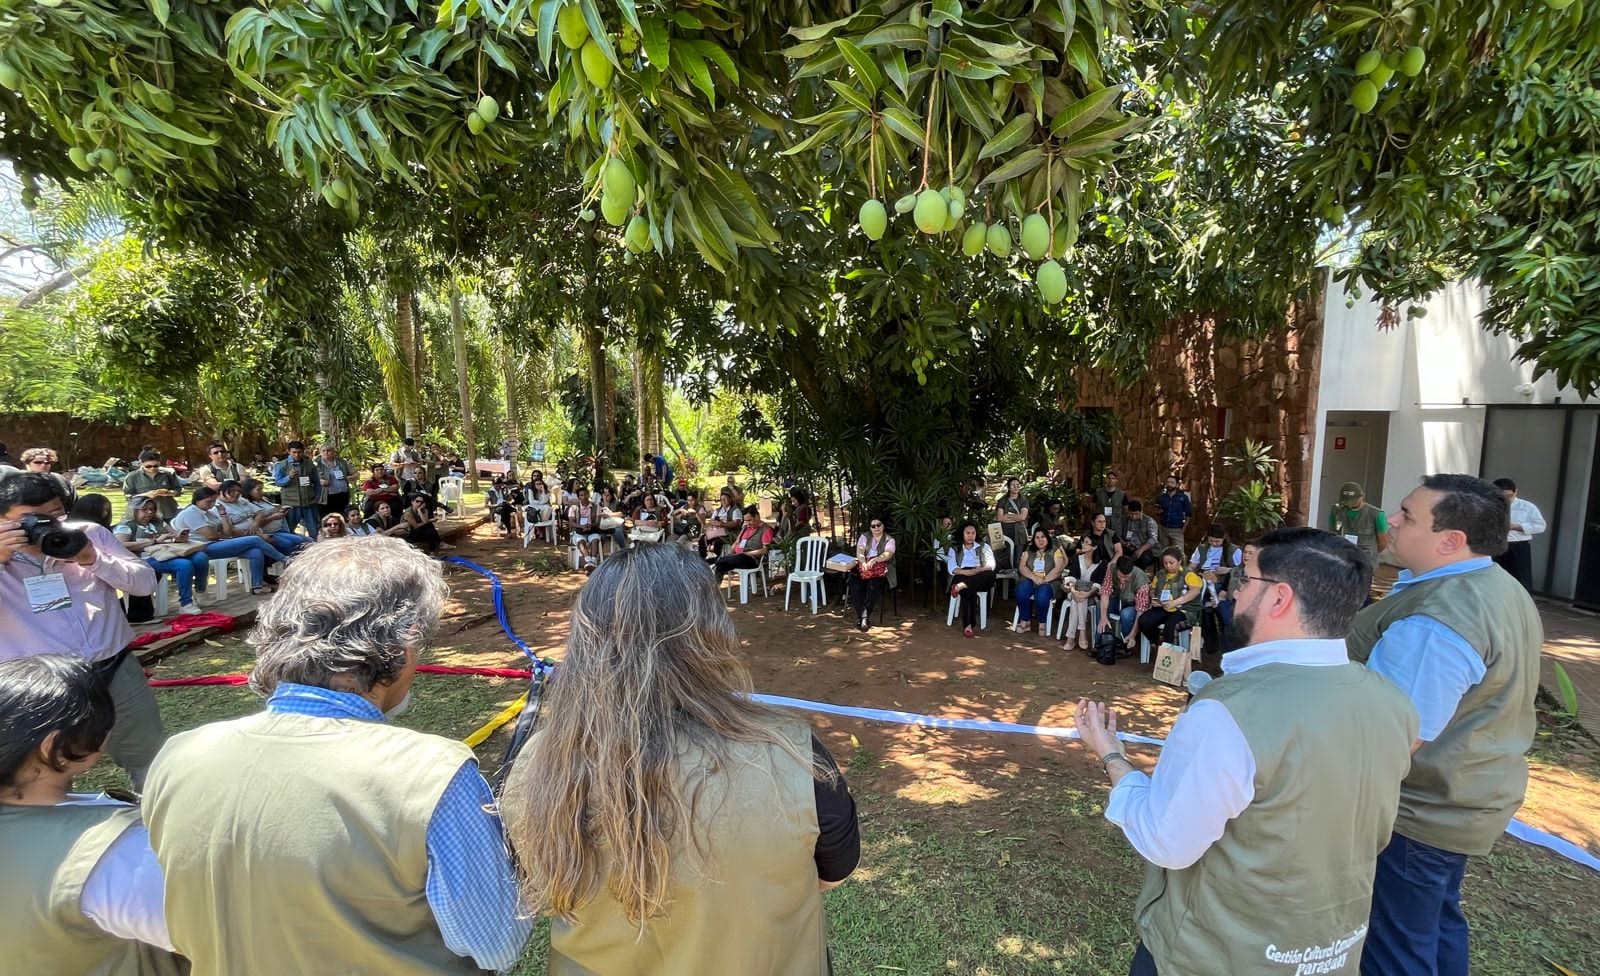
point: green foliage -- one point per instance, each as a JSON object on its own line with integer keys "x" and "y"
{"x": 1569, "y": 692}
{"x": 1253, "y": 507}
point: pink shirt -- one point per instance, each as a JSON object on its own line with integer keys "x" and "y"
{"x": 94, "y": 626}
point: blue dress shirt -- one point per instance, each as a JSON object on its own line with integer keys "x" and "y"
{"x": 471, "y": 886}
{"x": 1431, "y": 663}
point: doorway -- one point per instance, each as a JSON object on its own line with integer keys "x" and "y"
{"x": 1354, "y": 445}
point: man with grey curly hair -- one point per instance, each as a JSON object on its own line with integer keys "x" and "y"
{"x": 313, "y": 836}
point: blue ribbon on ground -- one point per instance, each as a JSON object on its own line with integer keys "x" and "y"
{"x": 500, "y": 607}
{"x": 1520, "y": 830}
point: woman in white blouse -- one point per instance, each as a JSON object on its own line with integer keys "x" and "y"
{"x": 1086, "y": 572}
{"x": 971, "y": 566}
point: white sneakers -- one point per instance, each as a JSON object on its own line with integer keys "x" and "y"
{"x": 190, "y": 608}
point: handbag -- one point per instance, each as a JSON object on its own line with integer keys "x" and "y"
{"x": 1172, "y": 665}
{"x": 875, "y": 571}
{"x": 1106, "y": 646}
{"x": 173, "y": 550}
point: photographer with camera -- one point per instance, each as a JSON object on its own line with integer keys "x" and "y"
{"x": 58, "y": 595}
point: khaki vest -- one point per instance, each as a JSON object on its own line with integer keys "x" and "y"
{"x": 46, "y": 855}
{"x": 296, "y": 495}
{"x": 1466, "y": 785}
{"x": 748, "y": 905}
{"x": 1290, "y": 880}
{"x": 295, "y": 844}
{"x": 1361, "y": 523}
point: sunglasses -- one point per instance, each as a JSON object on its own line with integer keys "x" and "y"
{"x": 37, "y": 461}
{"x": 150, "y": 467}
{"x": 877, "y": 525}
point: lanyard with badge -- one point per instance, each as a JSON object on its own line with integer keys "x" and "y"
{"x": 47, "y": 591}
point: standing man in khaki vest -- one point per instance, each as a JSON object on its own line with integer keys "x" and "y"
{"x": 1259, "y": 831}
{"x": 1462, "y": 638}
{"x": 314, "y": 837}
{"x": 1361, "y": 523}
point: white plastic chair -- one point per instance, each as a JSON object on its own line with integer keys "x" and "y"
{"x": 531, "y": 523}
{"x": 1195, "y": 645}
{"x": 807, "y": 574}
{"x": 605, "y": 544}
{"x": 983, "y": 610}
{"x": 220, "y": 569}
{"x": 746, "y": 575}
{"x": 1005, "y": 565}
{"x": 452, "y": 488}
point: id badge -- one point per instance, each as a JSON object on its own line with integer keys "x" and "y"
{"x": 47, "y": 593}
{"x": 1108, "y": 511}
{"x": 305, "y": 481}
{"x": 1354, "y": 540}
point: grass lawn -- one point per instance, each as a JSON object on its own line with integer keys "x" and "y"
{"x": 1024, "y": 876}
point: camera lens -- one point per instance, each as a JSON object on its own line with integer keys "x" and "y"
{"x": 63, "y": 543}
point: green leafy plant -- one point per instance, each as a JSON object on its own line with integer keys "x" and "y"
{"x": 1569, "y": 692}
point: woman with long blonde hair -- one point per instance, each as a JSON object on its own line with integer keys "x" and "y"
{"x": 665, "y": 821}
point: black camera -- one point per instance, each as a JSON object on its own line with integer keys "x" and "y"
{"x": 53, "y": 539}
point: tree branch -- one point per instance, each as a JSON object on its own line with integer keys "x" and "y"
{"x": 52, "y": 286}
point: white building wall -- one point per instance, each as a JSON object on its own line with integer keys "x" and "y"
{"x": 1420, "y": 373}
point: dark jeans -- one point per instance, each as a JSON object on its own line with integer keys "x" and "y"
{"x": 1518, "y": 561}
{"x": 864, "y": 593}
{"x": 1214, "y": 623}
{"x": 1143, "y": 963}
{"x": 976, "y": 583}
{"x": 1416, "y": 925}
{"x": 1159, "y": 626}
{"x": 732, "y": 561}
{"x": 425, "y": 537}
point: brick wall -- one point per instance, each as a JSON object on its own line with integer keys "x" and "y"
{"x": 90, "y": 442}
{"x": 1171, "y": 420}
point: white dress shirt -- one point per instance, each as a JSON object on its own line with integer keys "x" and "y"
{"x": 1525, "y": 514}
{"x": 1206, "y": 775}
{"x": 125, "y": 893}
{"x": 960, "y": 556}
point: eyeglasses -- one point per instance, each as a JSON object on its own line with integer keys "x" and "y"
{"x": 150, "y": 467}
{"x": 40, "y": 461}
{"x": 1262, "y": 579}
{"x": 219, "y": 451}
{"x": 877, "y": 525}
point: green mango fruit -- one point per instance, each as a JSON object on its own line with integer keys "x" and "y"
{"x": 1062, "y": 238}
{"x": 571, "y": 26}
{"x": 637, "y": 236}
{"x": 340, "y": 188}
{"x": 999, "y": 240}
{"x": 955, "y": 203}
{"x": 1380, "y": 75}
{"x": 10, "y": 78}
{"x": 586, "y": 215}
{"x": 1333, "y": 214}
{"x": 616, "y": 180}
{"x": 972, "y": 241}
{"x": 595, "y": 66}
{"x": 1035, "y": 236}
{"x": 80, "y": 158}
{"x": 1364, "y": 96}
{"x": 123, "y": 175}
{"x": 331, "y": 198}
{"x": 1367, "y": 62}
{"x": 905, "y": 203}
{"x": 1412, "y": 61}
{"x": 874, "y": 219}
{"x": 931, "y": 212}
{"x": 615, "y": 209}
{"x": 475, "y": 123}
{"x": 1052, "y": 282}
{"x": 488, "y": 108}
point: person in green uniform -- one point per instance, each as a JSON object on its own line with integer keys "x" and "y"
{"x": 1259, "y": 832}
{"x": 1365, "y": 525}
{"x": 83, "y": 893}
{"x": 666, "y": 822}
{"x": 1463, "y": 638}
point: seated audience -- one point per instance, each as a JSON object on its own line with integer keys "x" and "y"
{"x": 749, "y": 546}
{"x": 150, "y": 537}
{"x": 661, "y": 814}
{"x": 83, "y": 891}
{"x": 315, "y": 837}
{"x": 420, "y": 528}
{"x": 584, "y": 519}
{"x": 874, "y": 557}
{"x": 1141, "y": 537}
{"x": 39, "y": 460}
{"x": 356, "y": 524}
{"x": 614, "y": 514}
{"x": 1108, "y": 547}
{"x": 1084, "y": 579}
{"x": 538, "y": 506}
{"x": 148, "y": 480}
{"x": 1215, "y": 560}
{"x": 971, "y": 566}
{"x": 688, "y": 520}
{"x": 202, "y": 521}
{"x": 723, "y": 521}
{"x": 247, "y": 506}
{"x": 221, "y": 467}
{"x": 380, "y": 486}
{"x": 93, "y": 507}
{"x": 386, "y": 521}
{"x": 1126, "y": 585}
{"x": 1175, "y": 593}
{"x": 503, "y": 505}
{"x": 649, "y": 519}
{"x": 1038, "y": 571}
{"x": 333, "y": 527}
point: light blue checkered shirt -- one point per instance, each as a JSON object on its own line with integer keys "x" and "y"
{"x": 471, "y": 886}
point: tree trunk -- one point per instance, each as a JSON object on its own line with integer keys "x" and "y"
{"x": 405, "y": 340}
{"x": 458, "y": 338}
{"x": 605, "y": 433}
{"x": 641, "y": 412}
{"x": 508, "y": 374}
{"x": 651, "y": 407}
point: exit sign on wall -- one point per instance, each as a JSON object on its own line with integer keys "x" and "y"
{"x": 1338, "y": 443}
